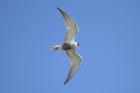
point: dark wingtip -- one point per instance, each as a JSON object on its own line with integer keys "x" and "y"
{"x": 58, "y": 8}
{"x": 65, "y": 82}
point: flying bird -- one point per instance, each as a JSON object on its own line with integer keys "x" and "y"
{"x": 69, "y": 44}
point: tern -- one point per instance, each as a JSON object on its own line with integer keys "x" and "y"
{"x": 69, "y": 45}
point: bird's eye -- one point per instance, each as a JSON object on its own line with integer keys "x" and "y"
{"x": 78, "y": 44}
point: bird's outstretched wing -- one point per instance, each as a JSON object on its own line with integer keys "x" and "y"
{"x": 76, "y": 60}
{"x": 71, "y": 26}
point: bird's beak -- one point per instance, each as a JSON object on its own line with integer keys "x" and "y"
{"x": 78, "y": 46}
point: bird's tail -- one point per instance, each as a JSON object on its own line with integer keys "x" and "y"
{"x": 56, "y": 47}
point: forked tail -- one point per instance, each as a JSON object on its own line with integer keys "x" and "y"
{"x": 56, "y": 48}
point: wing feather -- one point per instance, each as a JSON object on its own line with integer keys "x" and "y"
{"x": 71, "y": 26}
{"x": 76, "y": 60}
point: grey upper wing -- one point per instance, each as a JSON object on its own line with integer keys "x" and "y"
{"x": 76, "y": 60}
{"x": 72, "y": 28}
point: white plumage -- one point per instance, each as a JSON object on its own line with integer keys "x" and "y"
{"x": 69, "y": 45}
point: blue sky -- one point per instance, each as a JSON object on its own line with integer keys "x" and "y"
{"x": 109, "y": 38}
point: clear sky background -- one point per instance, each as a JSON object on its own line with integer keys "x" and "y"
{"x": 110, "y": 45}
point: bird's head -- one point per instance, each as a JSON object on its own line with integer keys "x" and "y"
{"x": 77, "y": 45}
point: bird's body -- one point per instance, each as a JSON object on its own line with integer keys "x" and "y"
{"x": 65, "y": 46}
{"x": 69, "y": 44}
